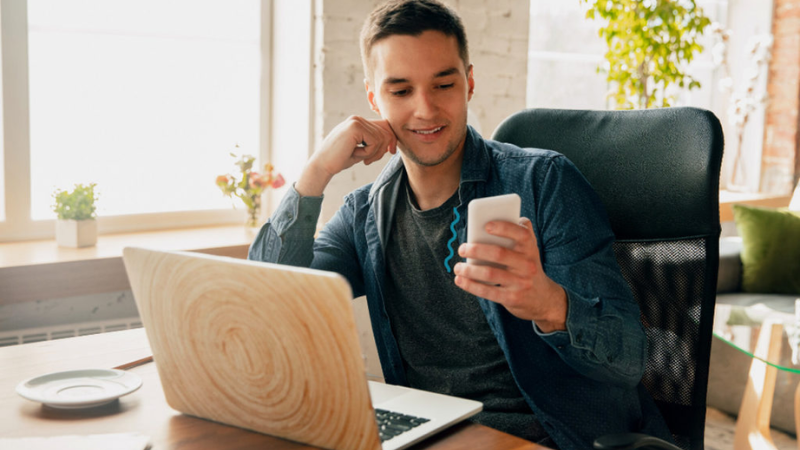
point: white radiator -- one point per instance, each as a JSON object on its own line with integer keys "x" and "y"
{"x": 29, "y": 335}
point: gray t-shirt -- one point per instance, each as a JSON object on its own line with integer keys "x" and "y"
{"x": 443, "y": 336}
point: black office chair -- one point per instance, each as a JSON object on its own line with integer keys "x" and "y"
{"x": 657, "y": 173}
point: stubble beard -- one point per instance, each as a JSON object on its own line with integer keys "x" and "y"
{"x": 451, "y": 148}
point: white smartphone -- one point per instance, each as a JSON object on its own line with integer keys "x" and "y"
{"x": 484, "y": 210}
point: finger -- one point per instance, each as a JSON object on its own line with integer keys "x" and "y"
{"x": 376, "y": 152}
{"x": 510, "y": 300}
{"x": 392, "y": 143}
{"x": 375, "y": 156}
{"x": 522, "y": 264}
{"x": 514, "y": 231}
{"x": 387, "y": 127}
{"x": 360, "y": 155}
{"x": 365, "y": 132}
{"x": 489, "y": 253}
{"x": 492, "y": 293}
{"x": 368, "y": 154}
{"x": 492, "y": 275}
{"x": 525, "y": 222}
{"x": 378, "y": 130}
{"x": 384, "y": 125}
{"x": 379, "y": 140}
{"x": 357, "y": 129}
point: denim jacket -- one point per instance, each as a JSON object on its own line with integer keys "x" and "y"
{"x": 580, "y": 383}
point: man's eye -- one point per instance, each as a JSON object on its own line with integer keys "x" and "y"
{"x": 446, "y": 86}
{"x": 400, "y": 93}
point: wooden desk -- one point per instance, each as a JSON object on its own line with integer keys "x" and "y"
{"x": 146, "y": 411}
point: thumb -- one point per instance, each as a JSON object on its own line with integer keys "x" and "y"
{"x": 525, "y": 222}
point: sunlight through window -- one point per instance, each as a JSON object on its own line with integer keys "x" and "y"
{"x": 146, "y": 98}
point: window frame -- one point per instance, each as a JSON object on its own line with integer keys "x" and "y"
{"x": 18, "y": 225}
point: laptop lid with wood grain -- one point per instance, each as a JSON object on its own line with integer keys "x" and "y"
{"x": 289, "y": 367}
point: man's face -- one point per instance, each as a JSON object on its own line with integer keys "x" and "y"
{"x": 421, "y": 87}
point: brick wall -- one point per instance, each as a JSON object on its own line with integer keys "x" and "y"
{"x": 780, "y": 161}
{"x": 497, "y": 31}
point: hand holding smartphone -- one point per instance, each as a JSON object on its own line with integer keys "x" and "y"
{"x": 484, "y": 210}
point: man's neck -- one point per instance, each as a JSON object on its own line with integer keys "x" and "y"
{"x": 433, "y": 185}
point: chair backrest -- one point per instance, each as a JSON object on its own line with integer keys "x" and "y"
{"x": 657, "y": 173}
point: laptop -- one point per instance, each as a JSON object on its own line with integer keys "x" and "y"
{"x": 273, "y": 349}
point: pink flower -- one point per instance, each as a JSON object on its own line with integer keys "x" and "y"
{"x": 257, "y": 180}
{"x": 247, "y": 184}
{"x": 223, "y": 180}
{"x": 278, "y": 182}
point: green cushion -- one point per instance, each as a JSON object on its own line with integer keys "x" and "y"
{"x": 770, "y": 249}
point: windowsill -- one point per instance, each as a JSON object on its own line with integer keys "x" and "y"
{"x": 14, "y": 254}
{"x": 727, "y": 199}
{"x": 41, "y": 270}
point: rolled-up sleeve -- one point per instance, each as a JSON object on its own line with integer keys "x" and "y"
{"x": 607, "y": 346}
{"x": 288, "y": 236}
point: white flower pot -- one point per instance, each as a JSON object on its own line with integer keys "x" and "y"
{"x": 76, "y": 233}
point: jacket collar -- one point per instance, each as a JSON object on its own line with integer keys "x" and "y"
{"x": 475, "y": 166}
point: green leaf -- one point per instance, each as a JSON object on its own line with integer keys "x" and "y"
{"x": 648, "y": 46}
{"x": 78, "y": 204}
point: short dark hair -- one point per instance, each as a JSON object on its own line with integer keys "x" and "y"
{"x": 411, "y": 18}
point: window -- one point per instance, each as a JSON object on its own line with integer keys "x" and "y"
{"x": 565, "y": 52}
{"x": 146, "y": 98}
{"x": 563, "y": 59}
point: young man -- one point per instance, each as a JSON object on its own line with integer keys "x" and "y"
{"x": 552, "y": 345}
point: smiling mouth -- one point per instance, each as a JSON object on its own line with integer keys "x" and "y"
{"x": 431, "y": 131}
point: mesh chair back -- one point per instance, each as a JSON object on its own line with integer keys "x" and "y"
{"x": 657, "y": 173}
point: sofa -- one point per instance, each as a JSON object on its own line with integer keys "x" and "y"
{"x": 728, "y": 372}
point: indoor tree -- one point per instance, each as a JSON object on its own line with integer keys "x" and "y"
{"x": 650, "y": 42}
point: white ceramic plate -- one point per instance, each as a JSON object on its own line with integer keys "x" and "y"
{"x": 79, "y": 388}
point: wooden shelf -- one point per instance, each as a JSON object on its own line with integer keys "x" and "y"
{"x": 728, "y": 199}
{"x": 40, "y": 270}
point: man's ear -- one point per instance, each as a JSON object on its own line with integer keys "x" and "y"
{"x": 371, "y": 97}
{"x": 470, "y": 83}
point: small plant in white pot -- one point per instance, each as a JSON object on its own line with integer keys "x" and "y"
{"x": 76, "y": 225}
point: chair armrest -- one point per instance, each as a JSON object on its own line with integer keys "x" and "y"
{"x": 630, "y": 441}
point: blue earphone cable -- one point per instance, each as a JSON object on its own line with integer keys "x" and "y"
{"x": 452, "y": 239}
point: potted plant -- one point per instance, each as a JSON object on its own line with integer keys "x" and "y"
{"x": 76, "y": 225}
{"x": 248, "y": 184}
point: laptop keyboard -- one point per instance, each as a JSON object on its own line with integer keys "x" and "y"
{"x": 391, "y": 423}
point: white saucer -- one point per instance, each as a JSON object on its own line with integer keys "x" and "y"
{"x": 75, "y": 389}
